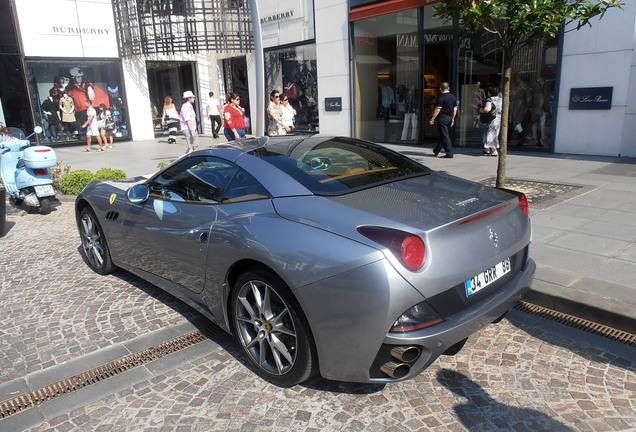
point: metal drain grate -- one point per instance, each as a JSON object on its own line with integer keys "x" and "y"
{"x": 578, "y": 323}
{"x": 98, "y": 374}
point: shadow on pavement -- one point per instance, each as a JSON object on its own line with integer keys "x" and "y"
{"x": 482, "y": 412}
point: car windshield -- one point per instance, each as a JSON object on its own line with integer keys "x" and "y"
{"x": 338, "y": 165}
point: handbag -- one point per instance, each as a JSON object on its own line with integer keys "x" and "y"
{"x": 490, "y": 115}
{"x": 109, "y": 125}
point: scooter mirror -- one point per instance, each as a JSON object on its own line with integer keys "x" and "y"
{"x": 38, "y": 129}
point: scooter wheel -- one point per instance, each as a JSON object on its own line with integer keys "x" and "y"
{"x": 45, "y": 206}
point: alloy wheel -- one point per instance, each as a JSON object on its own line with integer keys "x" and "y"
{"x": 94, "y": 243}
{"x": 266, "y": 328}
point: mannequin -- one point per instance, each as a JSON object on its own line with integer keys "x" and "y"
{"x": 50, "y": 109}
{"x": 538, "y": 110}
{"x": 59, "y": 88}
{"x": 410, "y": 117}
{"x": 520, "y": 99}
{"x": 81, "y": 90}
{"x": 69, "y": 122}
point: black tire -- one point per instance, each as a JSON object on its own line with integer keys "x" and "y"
{"x": 271, "y": 329}
{"x": 45, "y": 206}
{"x": 94, "y": 243}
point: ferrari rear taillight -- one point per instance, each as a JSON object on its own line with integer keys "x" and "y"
{"x": 408, "y": 248}
{"x": 420, "y": 316}
{"x": 523, "y": 200}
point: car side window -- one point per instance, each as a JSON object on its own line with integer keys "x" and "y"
{"x": 244, "y": 187}
{"x": 200, "y": 179}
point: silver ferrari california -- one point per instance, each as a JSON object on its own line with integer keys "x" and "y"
{"x": 324, "y": 255}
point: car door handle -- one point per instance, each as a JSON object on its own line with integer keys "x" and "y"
{"x": 203, "y": 237}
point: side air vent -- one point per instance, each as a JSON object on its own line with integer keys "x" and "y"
{"x": 112, "y": 215}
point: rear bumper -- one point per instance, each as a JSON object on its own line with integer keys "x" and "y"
{"x": 349, "y": 316}
{"x": 434, "y": 341}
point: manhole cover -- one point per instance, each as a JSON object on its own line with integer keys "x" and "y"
{"x": 536, "y": 192}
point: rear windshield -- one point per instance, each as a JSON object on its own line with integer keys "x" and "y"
{"x": 338, "y": 165}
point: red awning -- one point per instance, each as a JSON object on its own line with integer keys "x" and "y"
{"x": 387, "y": 7}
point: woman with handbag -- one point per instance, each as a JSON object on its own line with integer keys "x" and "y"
{"x": 170, "y": 119}
{"x": 106, "y": 126}
{"x": 492, "y": 110}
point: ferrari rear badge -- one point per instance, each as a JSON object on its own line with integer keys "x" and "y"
{"x": 494, "y": 237}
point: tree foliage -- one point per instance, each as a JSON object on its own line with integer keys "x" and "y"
{"x": 516, "y": 23}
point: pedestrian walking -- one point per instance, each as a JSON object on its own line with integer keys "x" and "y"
{"x": 275, "y": 116}
{"x": 445, "y": 113}
{"x": 106, "y": 126}
{"x": 170, "y": 119}
{"x": 234, "y": 118}
{"x": 289, "y": 113}
{"x": 189, "y": 122}
{"x": 213, "y": 111}
{"x": 92, "y": 130}
{"x": 491, "y": 133}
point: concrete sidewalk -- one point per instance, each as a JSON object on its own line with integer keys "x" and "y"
{"x": 584, "y": 238}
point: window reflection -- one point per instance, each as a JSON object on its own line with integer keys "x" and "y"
{"x": 401, "y": 58}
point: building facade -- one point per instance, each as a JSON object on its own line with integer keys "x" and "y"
{"x": 157, "y": 49}
{"x": 364, "y": 68}
{"x": 564, "y": 98}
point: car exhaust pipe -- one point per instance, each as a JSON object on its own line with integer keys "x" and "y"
{"x": 395, "y": 370}
{"x": 406, "y": 353}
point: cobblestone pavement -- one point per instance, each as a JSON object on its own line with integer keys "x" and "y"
{"x": 524, "y": 374}
{"x": 512, "y": 376}
{"x": 54, "y": 308}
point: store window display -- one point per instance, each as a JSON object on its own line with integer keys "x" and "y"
{"x": 413, "y": 49}
{"x": 539, "y": 110}
{"x": 294, "y": 71}
{"x": 70, "y": 85}
{"x": 388, "y": 82}
{"x": 82, "y": 89}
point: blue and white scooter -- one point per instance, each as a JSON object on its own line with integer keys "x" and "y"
{"x": 25, "y": 170}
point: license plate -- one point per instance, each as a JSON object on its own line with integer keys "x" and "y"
{"x": 43, "y": 191}
{"x": 488, "y": 276}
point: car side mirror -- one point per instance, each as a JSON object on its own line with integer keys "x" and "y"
{"x": 138, "y": 193}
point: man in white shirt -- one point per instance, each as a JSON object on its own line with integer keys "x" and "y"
{"x": 91, "y": 127}
{"x": 213, "y": 110}
{"x": 189, "y": 122}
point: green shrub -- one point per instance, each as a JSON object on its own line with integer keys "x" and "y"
{"x": 110, "y": 174}
{"x": 162, "y": 165}
{"x": 73, "y": 182}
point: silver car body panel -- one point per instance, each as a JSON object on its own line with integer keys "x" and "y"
{"x": 346, "y": 328}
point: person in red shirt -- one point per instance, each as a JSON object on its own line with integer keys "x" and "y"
{"x": 233, "y": 118}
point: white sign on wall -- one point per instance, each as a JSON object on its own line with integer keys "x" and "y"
{"x": 286, "y": 21}
{"x": 67, "y": 28}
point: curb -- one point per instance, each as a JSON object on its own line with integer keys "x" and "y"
{"x": 581, "y": 310}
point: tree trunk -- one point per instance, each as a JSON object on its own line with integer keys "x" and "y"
{"x": 505, "y": 114}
